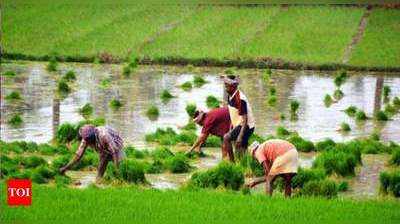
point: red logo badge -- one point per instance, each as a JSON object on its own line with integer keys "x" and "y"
{"x": 19, "y": 192}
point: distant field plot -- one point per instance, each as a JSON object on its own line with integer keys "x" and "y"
{"x": 87, "y": 29}
{"x": 380, "y": 45}
{"x": 306, "y": 34}
{"x": 214, "y": 32}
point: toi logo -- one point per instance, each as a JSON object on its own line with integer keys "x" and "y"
{"x": 19, "y": 192}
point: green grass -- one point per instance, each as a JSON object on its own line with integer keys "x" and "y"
{"x": 116, "y": 205}
{"x": 380, "y": 45}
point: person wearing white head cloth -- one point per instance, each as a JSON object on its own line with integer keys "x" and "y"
{"x": 278, "y": 158}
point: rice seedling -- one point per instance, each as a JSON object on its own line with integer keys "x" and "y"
{"x": 8, "y": 74}
{"x": 198, "y": 81}
{"x": 390, "y": 182}
{"x": 229, "y": 71}
{"x": 134, "y": 153}
{"x": 321, "y": 188}
{"x": 166, "y": 96}
{"x": 338, "y": 161}
{"x": 213, "y": 141}
{"x": 69, "y": 76}
{"x": 386, "y": 92}
{"x": 133, "y": 62}
{"x": 13, "y": 96}
{"x": 351, "y": 111}
{"x": 338, "y": 94}
{"x": 282, "y": 116}
{"x": 131, "y": 171}
{"x": 381, "y": 116}
{"x": 190, "y": 109}
{"x": 272, "y": 91}
{"x": 252, "y": 167}
{"x": 212, "y": 102}
{"x": 52, "y": 65}
{"x": 340, "y": 78}
{"x": 105, "y": 83}
{"x": 328, "y": 101}
{"x": 62, "y": 181}
{"x": 226, "y": 175}
{"x": 115, "y": 104}
{"x": 152, "y": 112}
{"x": 361, "y": 116}
{"x": 266, "y": 76}
{"x": 294, "y": 106}
{"x": 157, "y": 166}
{"x": 301, "y": 144}
{"x": 186, "y": 86}
{"x": 66, "y": 133}
{"x": 282, "y": 132}
{"x": 63, "y": 87}
{"x": 343, "y": 186}
{"x": 161, "y": 153}
{"x": 272, "y": 100}
{"x": 395, "y": 158}
{"x": 86, "y": 111}
{"x": 396, "y": 102}
{"x": 178, "y": 164}
{"x": 33, "y": 162}
{"x": 344, "y": 127}
{"x": 16, "y": 120}
{"x": 126, "y": 71}
{"x": 190, "y": 126}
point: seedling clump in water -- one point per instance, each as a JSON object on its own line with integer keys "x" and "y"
{"x": 351, "y": 111}
{"x": 115, "y": 104}
{"x": 381, "y": 116}
{"x": 345, "y": 127}
{"x": 199, "y": 81}
{"x": 69, "y": 76}
{"x": 15, "y": 120}
{"x": 13, "y": 96}
{"x": 212, "y": 102}
{"x": 166, "y": 96}
{"x": 190, "y": 109}
{"x": 152, "y": 112}
{"x": 87, "y": 110}
{"x": 186, "y": 86}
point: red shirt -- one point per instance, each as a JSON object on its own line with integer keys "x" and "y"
{"x": 217, "y": 122}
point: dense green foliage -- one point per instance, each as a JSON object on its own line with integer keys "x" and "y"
{"x": 390, "y": 182}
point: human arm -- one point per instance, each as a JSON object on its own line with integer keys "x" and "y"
{"x": 243, "y": 125}
{"x": 200, "y": 140}
{"x": 78, "y": 156}
{"x": 259, "y": 180}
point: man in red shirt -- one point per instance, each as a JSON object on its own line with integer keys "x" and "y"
{"x": 216, "y": 122}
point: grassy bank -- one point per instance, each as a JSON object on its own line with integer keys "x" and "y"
{"x": 297, "y": 37}
{"x": 151, "y": 206}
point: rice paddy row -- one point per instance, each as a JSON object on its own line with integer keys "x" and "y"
{"x": 316, "y": 35}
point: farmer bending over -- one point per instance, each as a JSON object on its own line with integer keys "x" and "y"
{"x": 105, "y": 141}
{"x": 215, "y": 122}
{"x": 278, "y": 158}
{"x": 241, "y": 118}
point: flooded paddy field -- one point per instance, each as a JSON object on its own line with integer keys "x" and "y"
{"x": 42, "y": 110}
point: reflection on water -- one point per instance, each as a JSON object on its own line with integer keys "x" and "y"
{"x": 42, "y": 111}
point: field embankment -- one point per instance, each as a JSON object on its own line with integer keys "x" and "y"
{"x": 297, "y": 37}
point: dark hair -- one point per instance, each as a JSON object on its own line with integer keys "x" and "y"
{"x": 196, "y": 113}
{"x": 233, "y": 77}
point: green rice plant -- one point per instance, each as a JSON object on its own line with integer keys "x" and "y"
{"x": 251, "y": 166}
{"x": 340, "y": 78}
{"x": 386, "y": 92}
{"x": 337, "y": 161}
{"x": 13, "y": 96}
{"x": 212, "y": 102}
{"x": 105, "y": 83}
{"x": 282, "y": 132}
{"x": 133, "y": 61}
{"x": 343, "y": 186}
{"x": 153, "y": 112}
{"x": 86, "y": 111}
{"x": 188, "y": 137}
{"x": 266, "y": 76}
{"x": 361, "y": 116}
{"x": 325, "y": 144}
{"x": 69, "y": 76}
{"x": 33, "y": 161}
{"x": 272, "y": 101}
{"x": 98, "y": 121}
{"x": 166, "y": 96}
{"x": 328, "y": 101}
{"x": 163, "y": 136}
{"x": 52, "y": 65}
{"x": 198, "y": 81}
{"x": 62, "y": 181}
{"x": 190, "y": 109}
{"x": 126, "y": 71}
{"x": 272, "y": 91}
{"x": 320, "y": 188}
{"x": 301, "y": 144}
{"x": 132, "y": 152}
{"x": 115, "y": 104}
{"x": 226, "y": 175}
{"x": 161, "y": 153}
{"x": 156, "y": 166}
{"x": 16, "y": 120}
{"x": 390, "y": 110}
{"x": 66, "y": 133}
{"x": 9, "y": 74}
{"x": 60, "y": 161}
{"x": 381, "y": 116}
{"x": 395, "y": 158}
{"x": 306, "y": 175}
{"x": 63, "y": 87}
{"x": 190, "y": 126}
{"x": 390, "y": 182}
{"x": 213, "y": 141}
{"x": 351, "y": 111}
{"x": 229, "y": 71}
{"x": 396, "y": 102}
{"x": 294, "y": 106}
{"x": 338, "y": 94}
{"x": 186, "y": 86}
{"x": 178, "y": 163}
{"x": 345, "y": 127}
{"x": 131, "y": 171}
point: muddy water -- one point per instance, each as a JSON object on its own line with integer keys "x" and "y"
{"x": 42, "y": 111}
